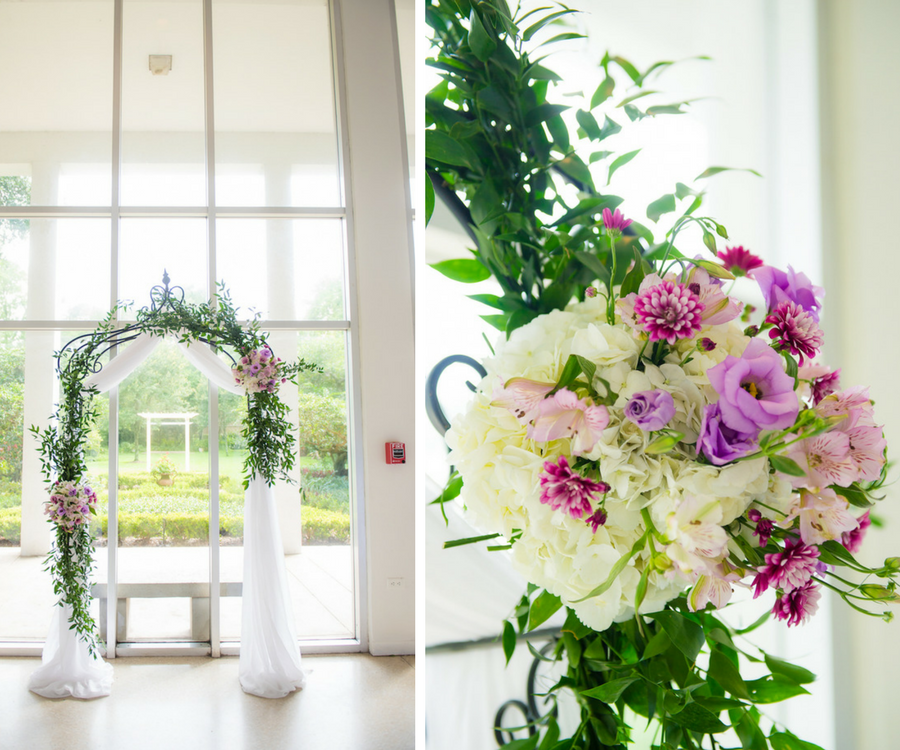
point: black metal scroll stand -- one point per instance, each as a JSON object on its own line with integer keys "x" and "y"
{"x": 529, "y": 707}
{"x": 161, "y": 297}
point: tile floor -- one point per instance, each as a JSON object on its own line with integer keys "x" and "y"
{"x": 351, "y": 702}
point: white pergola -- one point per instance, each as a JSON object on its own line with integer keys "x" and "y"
{"x": 184, "y": 419}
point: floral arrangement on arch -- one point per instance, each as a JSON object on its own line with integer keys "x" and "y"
{"x": 650, "y": 440}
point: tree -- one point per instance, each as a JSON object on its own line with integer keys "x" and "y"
{"x": 12, "y": 411}
{"x": 323, "y": 428}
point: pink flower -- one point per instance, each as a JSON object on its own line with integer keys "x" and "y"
{"x": 795, "y": 330}
{"x": 715, "y": 587}
{"x": 562, "y": 488}
{"x": 739, "y": 261}
{"x": 668, "y": 311}
{"x": 826, "y": 460}
{"x": 799, "y": 605}
{"x": 852, "y": 540}
{"x": 823, "y": 516}
{"x": 564, "y": 415}
{"x": 717, "y": 307}
{"x": 599, "y": 517}
{"x": 867, "y": 446}
{"x": 763, "y": 528}
{"x": 822, "y": 381}
{"x": 590, "y": 292}
{"x": 706, "y": 344}
{"x": 615, "y": 221}
{"x": 786, "y": 570}
{"x": 840, "y": 404}
{"x": 522, "y": 397}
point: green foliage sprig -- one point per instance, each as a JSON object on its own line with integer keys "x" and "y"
{"x": 502, "y": 155}
{"x": 269, "y": 434}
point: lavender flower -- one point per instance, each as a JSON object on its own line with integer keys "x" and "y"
{"x": 718, "y": 442}
{"x": 650, "y": 410}
{"x": 754, "y": 391}
{"x": 668, "y": 311}
{"x": 562, "y": 488}
{"x": 778, "y": 286}
{"x": 795, "y": 330}
{"x": 798, "y": 605}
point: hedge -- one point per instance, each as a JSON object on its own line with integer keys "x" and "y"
{"x": 324, "y": 525}
{"x": 11, "y": 525}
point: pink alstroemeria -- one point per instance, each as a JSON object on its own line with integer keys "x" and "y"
{"x": 697, "y": 540}
{"x": 715, "y": 587}
{"x": 840, "y": 404}
{"x": 867, "y": 446}
{"x": 718, "y": 308}
{"x": 564, "y": 415}
{"x": 522, "y": 397}
{"x": 826, "y": 460}
{"x": 823, "y": 516}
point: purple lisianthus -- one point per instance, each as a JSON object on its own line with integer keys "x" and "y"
{"x": 754, "y": 391}
{"x": 778, "y": 286}
{"x": 650, "y": 410}
{"x": 719, "y": 443}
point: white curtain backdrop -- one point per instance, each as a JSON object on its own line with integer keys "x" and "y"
{"x": 270, "y": 658}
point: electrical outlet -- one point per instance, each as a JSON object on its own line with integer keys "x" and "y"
{"x": 395, "y": 583}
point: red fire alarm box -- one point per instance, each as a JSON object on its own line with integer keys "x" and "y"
{"x": 395, "y": 453}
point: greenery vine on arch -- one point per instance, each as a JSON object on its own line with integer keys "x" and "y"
{"x": 267, "y": 431}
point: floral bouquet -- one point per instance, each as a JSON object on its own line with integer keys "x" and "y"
{"x": 258, "y": 371}
{"x": 70, "y": 505}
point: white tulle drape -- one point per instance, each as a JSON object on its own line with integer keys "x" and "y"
{"x": 67, "y": 667}
{"x": 270, "y": 658}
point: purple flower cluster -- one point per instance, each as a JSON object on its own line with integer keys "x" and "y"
{"x": 70, "y": 505}
{"x": 258, "y": 371}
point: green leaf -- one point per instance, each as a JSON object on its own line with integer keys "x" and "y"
{"x": 589, "y": 207}
{"x": 666, "y": 109}
{"x": 451, "y": 491}
{"x": 469, "y": 540}
{"x": 787, "y": 741}
{"x": 723, "y": 671}
{"x": 610, "y": 127}
{"x": 717, "y": 170}
{"x": 773, "y": 689}
{"x": 657, "y": 645}
{"x": 559, "y": 132}
{"x": 573, "y": 166}
{"x": 698, "y": 719}
{"x": 663, "y": 205}
{"x": 466, "y": 270}
{"x": 538, "y": 25}
{"x": 497, "y": 321}
{"x": 621, "y": 161}
{"x": 836, "y": 550}
{"x": 429, "y": 199}
{"x": 541, "y": 113}
{"x": 634, "y": 277}
{"x": 797, "y": 674}
{"x": 627, "y": 67}
{"x": 529, "y": 743}
{"x": 481, "y": 42}
{"x": 686, "y": 634}
{"x": 609, "y": 692}
{"x": 750, "y": 734}
{"x": 588, "y": 123}
{"x": 509, "y": 640}
{"x": 786, "y": 466}
{"x": 593, "y": 264}
{"x": 603, "y": 92}
{"x": 552, "y": 735}
{"x": 614, "y": 572}
{"x": 664, "y": 443}
{"x": 440, "y": 147}
{"x": 599, "y": 156}
{"x": 855, "y": 496}
{"x": 543, "y": 608}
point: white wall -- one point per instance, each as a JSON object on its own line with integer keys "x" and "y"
{"x": 860, "y": 62}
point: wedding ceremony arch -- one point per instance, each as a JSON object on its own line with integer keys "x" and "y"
{"x": 269, "y": 656}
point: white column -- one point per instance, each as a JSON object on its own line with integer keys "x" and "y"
{"x": 280, "y": 291}
{"x": 187, "y": 443}
{"x": 40, "y": 375}
{"x": 149, "y": 420}
{"x": 378, "y": 179}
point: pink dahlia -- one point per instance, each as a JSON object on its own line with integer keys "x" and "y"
{"x": 788, "y": 569}
{"x": 669, "y": 311}
{"x": 739, "y": 261}
{"x": 798, "y": 605}
{"x": 615, "y": 221}
{"x": 563, "y": 488}
{"x": 795, "y": 330}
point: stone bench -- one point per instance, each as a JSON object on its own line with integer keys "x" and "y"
{"x": 198, "y": 593}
